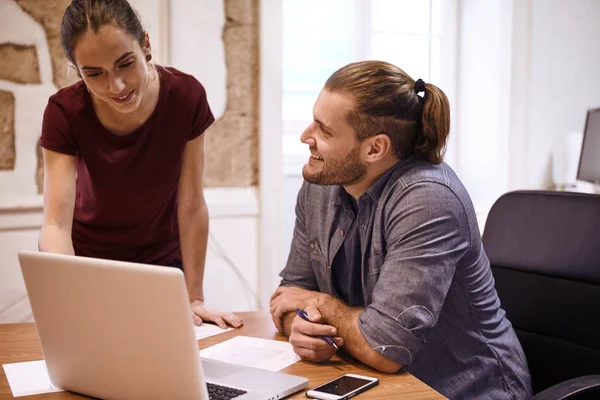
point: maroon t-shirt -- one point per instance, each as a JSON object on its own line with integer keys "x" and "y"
{"x": 126, "y": 191}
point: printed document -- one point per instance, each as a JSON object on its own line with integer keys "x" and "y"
{"x": 272, "y": 355}
{"x": 206, "y": 330}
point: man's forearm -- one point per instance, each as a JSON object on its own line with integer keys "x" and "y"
{"x": 193, "y": 233}
{"x": 345, "y": 320}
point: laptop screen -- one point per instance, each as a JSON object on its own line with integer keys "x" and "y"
{"x": 589, "y": 161}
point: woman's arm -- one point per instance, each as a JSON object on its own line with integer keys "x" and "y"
{"x": 192, "y": 215}
{"x": 59, "y": 203}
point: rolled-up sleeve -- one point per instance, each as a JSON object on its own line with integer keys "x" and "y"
{"x": 427, "y": 234}
{"x": 298, "y": 269}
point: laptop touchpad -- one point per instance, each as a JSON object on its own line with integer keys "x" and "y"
{"x": 217, "y": 370}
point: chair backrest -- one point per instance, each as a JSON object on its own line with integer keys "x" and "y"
{"x": 544, "y": 248}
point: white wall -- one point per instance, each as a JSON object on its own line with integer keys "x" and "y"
{"x": 196, "y": 46}
{"x": 527, "y": 73}
{"x": 155, "y": 19}
{"x": 14, "y": 305}
{"x": 291, "y": 186}
{"x": 271, "y": 164}
{"x": 481, "y": 126}
{"x": 564, "y": 77}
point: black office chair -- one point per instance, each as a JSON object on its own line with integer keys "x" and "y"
{"x": 544, "y": 248}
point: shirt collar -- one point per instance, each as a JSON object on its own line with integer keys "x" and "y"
{"x": 374, "y": 191}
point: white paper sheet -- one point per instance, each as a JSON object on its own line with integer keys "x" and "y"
{"x": 271, "y": 355}
{"x": 206, "y": 330}
{"x": 28, "y": 378}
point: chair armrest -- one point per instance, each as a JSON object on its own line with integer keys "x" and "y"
{"x": 570, "y": 388}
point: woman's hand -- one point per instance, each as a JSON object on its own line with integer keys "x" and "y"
{"x": 201, "y": 313}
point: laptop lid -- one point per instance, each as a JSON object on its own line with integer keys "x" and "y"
{"x": 98, "y": 336}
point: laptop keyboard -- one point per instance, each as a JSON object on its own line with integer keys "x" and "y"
{"x": 218, "y": 392}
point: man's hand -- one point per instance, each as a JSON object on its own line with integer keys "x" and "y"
{"x": 201, "y": 313}
{"x": 305, "y": 339}
{"x": 287, "y": 298}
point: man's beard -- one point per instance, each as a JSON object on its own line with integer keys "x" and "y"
{"x": 348, "y": 171}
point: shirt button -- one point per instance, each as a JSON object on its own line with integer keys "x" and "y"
{"x": 329, "y": 267}
{"x": 312, "y": 245}
{"x": 363, "y": 227}
{"x": 342, "y": 232}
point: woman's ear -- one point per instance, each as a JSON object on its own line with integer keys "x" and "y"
{"x": 147, "y": 46}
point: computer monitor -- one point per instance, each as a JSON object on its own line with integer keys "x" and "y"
{"x": 589, "y": 161}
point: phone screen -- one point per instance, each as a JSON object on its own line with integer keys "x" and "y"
{"x": 342, "y": 385}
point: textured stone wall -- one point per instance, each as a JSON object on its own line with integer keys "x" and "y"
{"x": 19, "y": 63}
{"x": 48, "y": 13}
{"x": 7, "y": 130}
{"x": 232, "y": 141}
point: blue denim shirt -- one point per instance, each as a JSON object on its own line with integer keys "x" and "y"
{"x": 426, "y": 280}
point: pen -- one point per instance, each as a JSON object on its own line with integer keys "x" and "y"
{"x": 328, "y": 339}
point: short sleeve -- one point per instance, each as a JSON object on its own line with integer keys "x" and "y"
{"x": 57, "y": 134}
{"x": 203, "y": 116}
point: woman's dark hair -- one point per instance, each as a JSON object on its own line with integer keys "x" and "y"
{"x": 386, "y": 102}
{"x": 82, "y": 16}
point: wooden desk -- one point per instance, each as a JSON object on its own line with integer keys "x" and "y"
{"x": 19, "y": 342}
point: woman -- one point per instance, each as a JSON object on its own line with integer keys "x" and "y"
{"x": 124, "y": 152}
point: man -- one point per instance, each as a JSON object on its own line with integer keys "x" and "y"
{"x": 386, "y": 255}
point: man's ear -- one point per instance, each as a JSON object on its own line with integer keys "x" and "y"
{"x": 378, "y": 147}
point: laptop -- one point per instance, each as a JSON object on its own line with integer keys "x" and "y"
{"x": 120, "y": 330}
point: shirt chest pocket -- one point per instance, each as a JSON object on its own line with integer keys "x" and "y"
{"x": 319, "y": 262}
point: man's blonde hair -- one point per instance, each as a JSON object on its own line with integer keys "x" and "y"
{"x": 386, "y": 102}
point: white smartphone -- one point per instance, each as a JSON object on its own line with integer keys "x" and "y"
{"x": 344, "y": 387}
